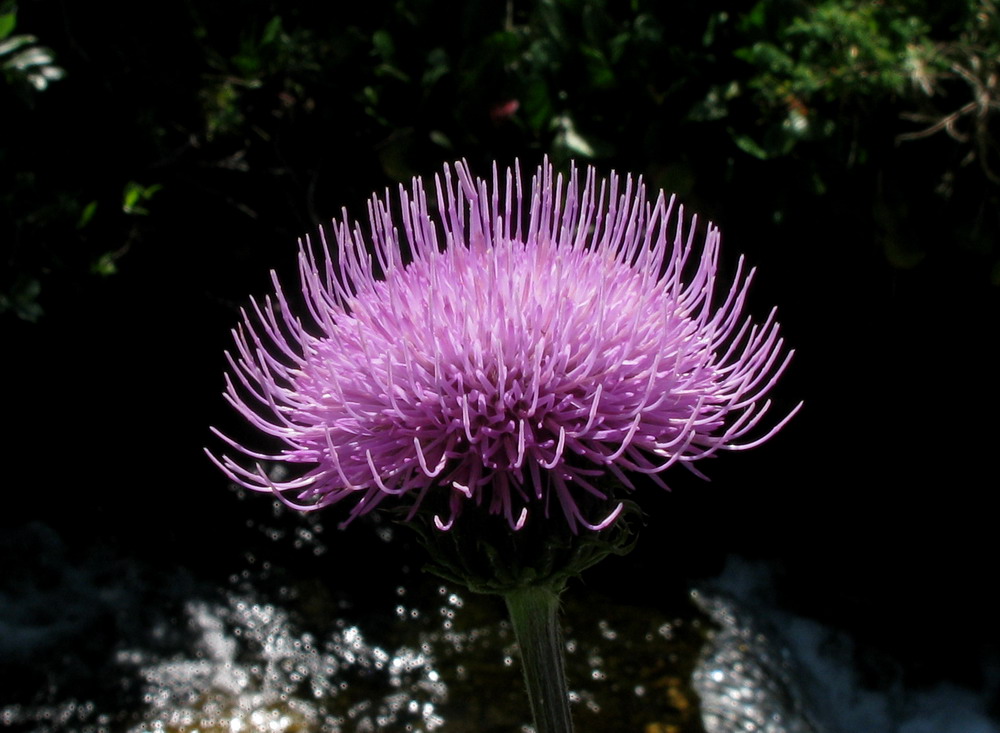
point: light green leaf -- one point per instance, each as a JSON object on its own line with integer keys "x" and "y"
{"x": 86, "y": 215}
{"x": 8, "y": 21}
{"x": 105, "y": 265}
{"x": 749, "y": 146}
{"x": 136, "y": 193}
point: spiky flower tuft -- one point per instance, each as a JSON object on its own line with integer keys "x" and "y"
{"x": 513, "y": 348}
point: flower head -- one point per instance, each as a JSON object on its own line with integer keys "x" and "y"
{"x": 506, "y": 351}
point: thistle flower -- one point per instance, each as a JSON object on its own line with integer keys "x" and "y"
{"x": 513, "y": 348}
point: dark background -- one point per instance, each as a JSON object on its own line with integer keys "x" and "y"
{"x": 148, "y": 193}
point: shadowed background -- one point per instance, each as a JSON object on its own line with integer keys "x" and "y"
{"x": 160, "y": 158}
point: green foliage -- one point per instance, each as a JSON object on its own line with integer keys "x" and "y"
{"x": 265, "y": 55}
{"x": 22, "y": 61}
{"x": 135, "y": 194}
{"x": 836, "y": 49}
{"x": 822, "y": 58}
{"x": 261, "y": 115}
{"x": 27, "y": 69}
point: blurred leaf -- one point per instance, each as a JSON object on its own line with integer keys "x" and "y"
{"x": 504, "y": 43}
{"x": 29, "y": 64}
{"x": 617, "y": 46}
{"x": 8, "y": 21}
{"x": 271, "y": 31}
{"x": 437, "y": 67}
{"x": 543, "y": 54}
{"x": 537, "y": 104}
{"x": 223, "y": 114}
{"x": 714, "y": 21}
{"x": 105, "y": 264}
{"x": 647, "y": 29}
{"x": 388, "y": 70}
{"x": 383, "y": 45}
{"x": 86, "y": 215}
{"x": 756, "y": 17}
{"x": 23, "y": 299}
{"x": 136, "y": 193}
{"x": 552, "y": 20}
{"x": 8, "y": 47}
{"x": 567, "y": 137}
{"x": 439, "y": 138}
{"x": 750, "y": 146}
{"x": 34, "y": 56}
{"x": 248, "y": 63}
{"x": 715, "y": 104}
{"x": 601, "y": 76}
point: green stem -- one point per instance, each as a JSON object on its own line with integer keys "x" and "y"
{"x": 534, "y": 613}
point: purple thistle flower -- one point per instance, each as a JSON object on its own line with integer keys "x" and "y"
{"x": 509, "y": 351}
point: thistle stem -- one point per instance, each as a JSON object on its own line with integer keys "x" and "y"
{"x": 534, "y": 613}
